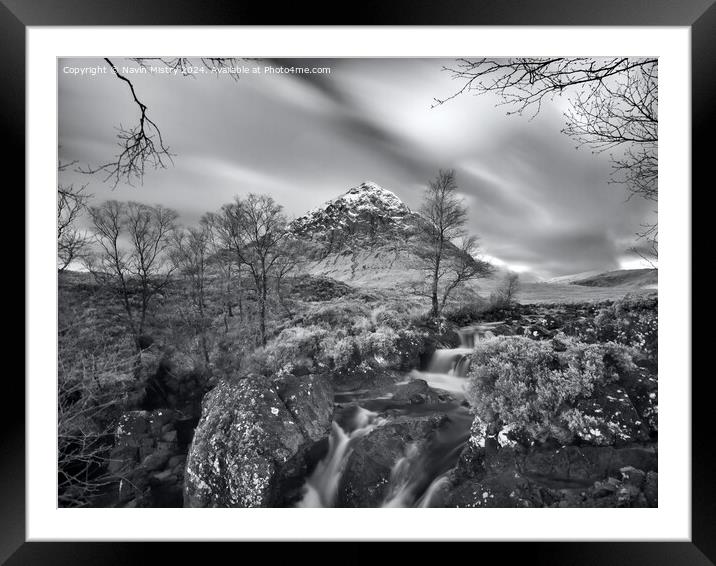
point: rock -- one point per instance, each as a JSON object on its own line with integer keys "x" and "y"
{"x": 155, "y": 461}
{"x": 586, "y": 464}
{"x": 642, "y": 388}
{"x": 570, "y": 476}
{"x": 122, "y": 458}
{"x": 608, "y": 418}
{"x": 309, "y": 399}
{"x": 605, "y": 488}
{"x": 162, "y": 476}
{"x": 132, "y": 424}
{"x": 245, "y": 436}
{"x": 505, "y": 489}
{"x": 178, "y": 460}
{"x": 415, "y": 392}
{"x": 367, "y": 475}
{"x": 170, "y": 436}
{"x": 632, "y": 476}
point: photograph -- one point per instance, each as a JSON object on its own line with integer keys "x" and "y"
{"x": 357, "y": 282}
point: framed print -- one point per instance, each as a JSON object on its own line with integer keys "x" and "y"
{"x": 286, "y": 278}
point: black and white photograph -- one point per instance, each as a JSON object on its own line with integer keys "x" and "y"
{"x": 357, "y": 282}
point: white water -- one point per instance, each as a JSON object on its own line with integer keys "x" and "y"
{"x": 447, "y": 370}
{"x": 322, "y": 485}
{"x": 420, "y": 473}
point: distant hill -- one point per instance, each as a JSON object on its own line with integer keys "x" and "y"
{"x": 633, "y": 278}
{"x": 567, "y": 279}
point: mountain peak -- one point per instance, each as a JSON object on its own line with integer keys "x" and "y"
{"x": 365, "y": 215}
{"x": 370, "y": 192}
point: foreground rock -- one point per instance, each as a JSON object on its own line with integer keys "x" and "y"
{"x": 496, "y": 471}
{"x": 251, "y": 431}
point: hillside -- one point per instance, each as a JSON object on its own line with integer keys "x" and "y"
{"x": 632, "y": 278}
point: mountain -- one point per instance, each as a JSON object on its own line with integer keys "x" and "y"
{"x": 634, "y": 278}
{"x": 365, "y": 217}
{"x": 364, "y": 237}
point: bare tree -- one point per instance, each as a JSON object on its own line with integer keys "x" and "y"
{"x": 257, "y": 233}
{"x": 133, "y": 239}
{"x": 448, "y": 265}
{"x": 224, "y": 260}
{"x": 613, "y": 107}
{"x": 505, "y": 295}
{"x": 72, "y": 243}
{"x": 142, "y": 145}
{"x": 190, "y": 257}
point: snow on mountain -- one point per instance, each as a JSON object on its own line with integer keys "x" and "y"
{"x": 367, "y": 237}
{"x": 364, "y": 217}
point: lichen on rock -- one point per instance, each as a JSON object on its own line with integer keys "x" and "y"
{"x": 247, "y": 432}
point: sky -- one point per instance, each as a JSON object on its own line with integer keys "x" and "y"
{"x": 537, "y": 204}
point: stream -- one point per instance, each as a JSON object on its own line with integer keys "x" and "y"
{"x": 417, "y": 475}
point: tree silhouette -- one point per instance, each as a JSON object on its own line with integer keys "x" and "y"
{"x": 613, "y": 107}
{"x": 142, "y": 145}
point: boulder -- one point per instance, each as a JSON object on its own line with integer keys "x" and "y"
{"x": 416, "y": 391}
{"x": 608, "y": 418}
{"x": 246, "y": 435}
{"x": 309, "y": 399}
{"x": 366, "y": 478}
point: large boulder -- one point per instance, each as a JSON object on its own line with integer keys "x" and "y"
{"x": 249, "y": 431}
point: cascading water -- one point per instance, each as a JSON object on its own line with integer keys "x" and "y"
{"x": 418, "y": 476}
{"x": 322, "y": 485}
{"x": 447, "y": 370}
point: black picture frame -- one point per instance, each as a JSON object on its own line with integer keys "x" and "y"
{"x": 699, "y": 15}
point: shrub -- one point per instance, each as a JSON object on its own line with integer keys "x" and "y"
{"x": 341, "y": 338}
{"x": 92, "y": 394}
{"x": 632, "y": 321}
{"x": 533, "y": 386}
{"x": 293, "y": 346}
{"x": 466, "y": 314}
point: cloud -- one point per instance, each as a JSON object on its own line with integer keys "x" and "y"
{"x": 534, "y": 200}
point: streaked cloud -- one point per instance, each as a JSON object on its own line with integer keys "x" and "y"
{"x": 535, "y": 202}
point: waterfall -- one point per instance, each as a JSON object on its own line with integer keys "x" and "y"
{"x": 467, "y": 337}
{"x": 422, "y": 471}
{"x": 446, "y": 360}
{"x": 322, "y": 485}
{"x": 447, "y": 370}
{"x": 419, "y": 474}
{"x": 471, "y": 335}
